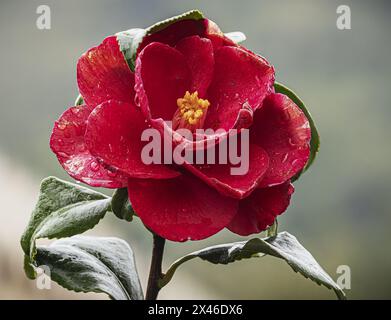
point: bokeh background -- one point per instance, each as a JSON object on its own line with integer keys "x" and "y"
{"x": 341, "y": 208}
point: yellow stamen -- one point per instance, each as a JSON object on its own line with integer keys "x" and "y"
{"x": 192, "y": 108}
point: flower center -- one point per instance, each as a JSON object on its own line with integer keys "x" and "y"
{"x": 191, "y": 112}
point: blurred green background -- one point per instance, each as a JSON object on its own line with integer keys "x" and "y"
{"x": 341, "y": 208}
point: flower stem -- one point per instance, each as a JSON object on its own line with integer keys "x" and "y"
{"x": 155, "y": 272}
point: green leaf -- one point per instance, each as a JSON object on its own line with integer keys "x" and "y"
{"x": 92, "y": 264}
{"x": 121, "y": 206}
{"x": 29, "y": 269}
{"x": 283, "y": 246}
{"x": 130, "y": 40}
{"x": 64, "y": 209}
{"x": 79, "y": 100}
{"x": 280, "y": 88}
{"x": 236, "y": 36}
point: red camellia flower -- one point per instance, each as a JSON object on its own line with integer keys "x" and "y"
{"x": 223, "y": 86}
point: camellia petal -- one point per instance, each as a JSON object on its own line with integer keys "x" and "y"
{"x": 175, "y": 32}
{"x": 241, "y": 80}
{"x": 172, "y": 34}
{"x": 162, "y": 76}
{"x": 181, "y": 209}
{"x": 198, "y": 53}
{"x": 260, "y": 209}
{"x": 282, "y": 129}
{"x": 114, "y": 135}
{"x": 220, "y": 177}
{"x": 103, "y": 74}
{"x": 67, "y": 142}
{"x": 214, "y": 34}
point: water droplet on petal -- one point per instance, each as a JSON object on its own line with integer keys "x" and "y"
{"x": 112, "y": 174}
{"x": 258, "y": 81}
{"x": 291, "y": 142}
{"x": 61, "y": 125}
{"x": 75, "y": 110}
{"x": 136, "y": 101}
{"x": 294, "y": 162}
{"x": 287, "y": 115}
{"x": 63, "y": 154}
{"x": 94, "y": 166}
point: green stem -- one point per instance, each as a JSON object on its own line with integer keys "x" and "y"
{"x": 155, "y": 272}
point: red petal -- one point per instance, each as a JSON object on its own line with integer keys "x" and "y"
{"x": 241, "y": 80}
{"x": 181, "y": 209}
{"x": 260, "y": 209}
{"x": 175, "y": 32}
{"x": 114, "y": 135}
{"x": 103, "y": 74}
{"x": 214, "y": 34}
{"x": 198, "y": 53}
{"x": 282, "y": 129}
{"x": 162, "y": 76}
{"x": 67, "y": 142}
{"x": 220, "y": 177}
{"x": 186, "y": 28}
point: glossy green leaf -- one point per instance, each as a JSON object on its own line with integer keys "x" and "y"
{"x": 236, "y": 36}
{"x": 64, "y": 209}
{"x": 130, "y": 40}
{"x": 284, "y": 246}
{"x": 28, "y": 268}
{"x": 280, "y": 88}
{"x": 92, "y": 264}
{"x": 79, "y": 100}
{"x": 121, "y": 206}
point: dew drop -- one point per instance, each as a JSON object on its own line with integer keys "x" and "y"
{"x": 287, "y": 115}
{"x": 75, "y": 110}
{"x": 258, "y": 81}
{"x": 63, "y": 154}
{"x": 136, "y": 101}
{"x": 112, "y": 174}
{"x": 61, "y": 125}
{"x": 294, "y": 162}
{"x": 291, "y": 142}
{"x": 94, "y": 166}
